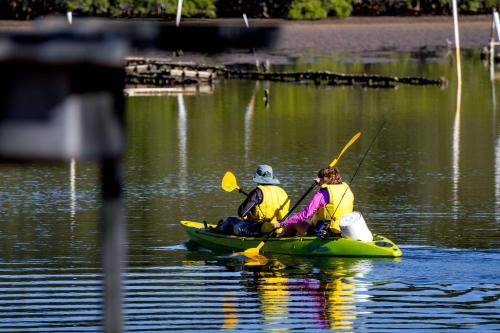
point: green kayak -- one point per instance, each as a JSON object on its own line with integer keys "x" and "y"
{"x": 309, "y": 245}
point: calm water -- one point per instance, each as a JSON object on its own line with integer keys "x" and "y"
{"x": 431, "y": 183}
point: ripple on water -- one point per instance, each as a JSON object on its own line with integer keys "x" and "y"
{"x": 430, "y": 289}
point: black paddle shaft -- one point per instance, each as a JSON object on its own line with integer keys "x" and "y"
{"x": 359, "y": 165}
{"x": 298, "y": 202}
{"x": 352, "y": 179}
{"x": 241, "y": 191}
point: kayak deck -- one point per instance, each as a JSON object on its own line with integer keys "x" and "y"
{"x": 307, "y": 245}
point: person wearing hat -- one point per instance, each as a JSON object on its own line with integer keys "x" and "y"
{"x": 268, "y": 203}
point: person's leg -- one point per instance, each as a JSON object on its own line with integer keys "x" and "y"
{"x": 227, "y": 226}
{"x": 290, "y": 230}
{"x": 301, "y": 228}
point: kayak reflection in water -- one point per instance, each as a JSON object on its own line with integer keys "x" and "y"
{"x": 328, "y": 205}
{"x": 265, "y": 205}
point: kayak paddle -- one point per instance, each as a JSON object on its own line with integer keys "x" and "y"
{"x": 229, "y": 183}
{"x": 359, "y": 165}
{"x": 347, "y": 145}
{"x": 331, "y": 165}
{"x": 255, "y": 250}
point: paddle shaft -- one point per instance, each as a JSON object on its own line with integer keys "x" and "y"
{"x": 256, "y": 250}
{"x": 271, "y": 234}
{"x": 359, "y": 165}
{"x": 332, "y": 164}
{"x": 241, "y": 191}
{"x": 298, "y": 202}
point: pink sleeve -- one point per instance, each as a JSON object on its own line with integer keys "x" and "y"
{"x": 316, "y": 202}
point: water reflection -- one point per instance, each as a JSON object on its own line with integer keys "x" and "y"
{"x": 497, "y": 142}
{"x": 274, "y": 294}
{"x": 249, "y": 111}
{"x": 229, "y": 307}
{"x": 72, "y": 188}
{"x": 455, "y": 170}
{"x": 182, "y": 129}
{"x": 320, "y": 294}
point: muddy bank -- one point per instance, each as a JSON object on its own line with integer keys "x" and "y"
{"x": 368, "y": 34}
{"x": 354, "y": 34}
{"x": 357, "y": 34}
{"x": 363, "y": 35}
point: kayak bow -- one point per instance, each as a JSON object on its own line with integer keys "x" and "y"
{"x": 307, "y": 245}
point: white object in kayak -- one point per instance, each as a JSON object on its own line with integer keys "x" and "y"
{"x": 353, "y": 226}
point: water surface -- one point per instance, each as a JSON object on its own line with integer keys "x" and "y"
{"x": 431, "y": 183}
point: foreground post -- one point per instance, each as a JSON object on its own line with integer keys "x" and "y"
{"x": 113, "y": 243}
{"x": 53, "y": 109}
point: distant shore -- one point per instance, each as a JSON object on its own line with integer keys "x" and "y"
{"x": 378, "y": 33}
{"x": 358, "y": 34}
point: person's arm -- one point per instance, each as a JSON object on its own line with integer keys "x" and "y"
{"x": 254, "y": 198}
{"x": 317, "y": 201}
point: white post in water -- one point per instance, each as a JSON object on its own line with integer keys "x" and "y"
{"x": 246, "y": 20}
{"x": 457, "y": 41}
{"x": 179, "y": 11}
{"x": 495, "y": 26}
{"x": 257, "y": 63}
{"x": 496, "y": 19}
{"x": 69, "y": 15}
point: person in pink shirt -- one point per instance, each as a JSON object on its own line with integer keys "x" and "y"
{"x": 332, "y": 201}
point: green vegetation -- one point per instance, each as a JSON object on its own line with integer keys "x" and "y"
{"x": 292, "y": 9}
{"x": 307, "y": 10}
{"x": 339, "y": 8}
{"x": 161, "y": 8}
{"x": 422, "y": 7}
{"x": 26, "y": 9}
{"x": 318, "y": 9}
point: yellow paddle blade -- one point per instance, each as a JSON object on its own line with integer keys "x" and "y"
{"x": 228, "y": 182}
{"x": 353, "y": 139}
{"x": 254, "y": 251}
{"x": 258, "y": 260}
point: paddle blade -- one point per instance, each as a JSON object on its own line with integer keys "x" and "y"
{"x": 258, "y": 260}
{"x": 228, "y": 182}
{"x": 347, "y": 145}
{"x": 254, "y": 251}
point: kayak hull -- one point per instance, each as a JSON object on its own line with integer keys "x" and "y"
{"x": 308, "y": 245}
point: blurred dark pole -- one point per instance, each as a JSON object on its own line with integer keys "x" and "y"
{"x": 61, "y": 97}
{"x": 113, "y": 243}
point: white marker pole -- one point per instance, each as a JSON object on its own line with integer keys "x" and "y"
{"x": 497, "y": 24}
{"x": 69, "y": 15}
{"x": 457, "y": 41}
{"x": 179, "y": 11}
{"x": 257, "y": 63}
{"x": 246, "y": 20}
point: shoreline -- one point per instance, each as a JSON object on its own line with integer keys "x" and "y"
{"x": 352, "y": 34}
{"x": 387, "y": 33}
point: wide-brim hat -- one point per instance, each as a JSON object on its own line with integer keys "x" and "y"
{"x": 264, "y": 175}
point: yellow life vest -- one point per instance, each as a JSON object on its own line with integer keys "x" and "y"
{"x": 336, "y": 192}
{"x": 273, "y": 208}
